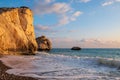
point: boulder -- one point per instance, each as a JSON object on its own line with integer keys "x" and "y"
{"x": 75, "y": 48}
{"x": 44, "y": 44}
{"x": 17, "y": 31}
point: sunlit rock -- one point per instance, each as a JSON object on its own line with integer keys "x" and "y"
{"x": 17, "y": 31}
{"x": 44, "y": 44}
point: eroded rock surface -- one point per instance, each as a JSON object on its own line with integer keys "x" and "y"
{"x": 17, "y": 31}
{"x": 44, "y": 44}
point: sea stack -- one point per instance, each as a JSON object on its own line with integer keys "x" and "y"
{"x": 75, "y": 48}
{"x": 44, "y": 44}
{"x": 17, "y": 31}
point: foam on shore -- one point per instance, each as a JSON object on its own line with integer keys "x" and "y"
{"x": 45, "y": 65}
{"x": 109, "y": 62}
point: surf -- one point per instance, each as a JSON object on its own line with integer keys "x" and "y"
{"x": 49, "y": 66}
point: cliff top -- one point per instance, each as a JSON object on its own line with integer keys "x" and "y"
{"x": 4, "y": 9}
{"x": 14, "y": 7}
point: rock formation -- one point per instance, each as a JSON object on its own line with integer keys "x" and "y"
{"x": 44, "y": 44}
{"x": 75, "y": 48}
{"x": 17, "y": 31}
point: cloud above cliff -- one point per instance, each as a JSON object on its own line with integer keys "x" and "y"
{"x": 110, "y": 2}
{"x": 63, "y": 10}
{"x": 44, "y": 30}
{"x": 45, "y": 7}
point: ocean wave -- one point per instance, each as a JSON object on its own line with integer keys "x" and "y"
{"x": 109, "y": 62}
{"x": 44, "y": 65}
{"x": 100, "y": 60}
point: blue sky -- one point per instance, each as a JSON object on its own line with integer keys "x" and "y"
{"x": 84, "y": 23}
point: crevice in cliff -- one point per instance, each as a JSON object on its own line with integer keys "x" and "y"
{"x": 23, "y": 22}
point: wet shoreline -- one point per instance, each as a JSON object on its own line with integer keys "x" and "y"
{"x": 55, "y": 67}
{"x": 6, "y": 76}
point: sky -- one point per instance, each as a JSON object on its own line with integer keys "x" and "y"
{"x": 68, "y": 23}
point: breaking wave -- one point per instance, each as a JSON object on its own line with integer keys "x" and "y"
{"x": 109, "y": 62}
{"x": 51, "y": 66}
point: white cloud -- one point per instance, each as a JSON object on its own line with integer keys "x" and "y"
{"x": 110, "y": 2}
{"x": 58, "y": 8}
{"x": 49, "y": 1}
{"x": 42, "y": 28}
{"x": 85, "y": 1}
{"x": 81, "y": 1}
{"x": 63, "y": 20}
{"x": 117, "y": 0}
{"x": 75, "y": 15}
{"x": 97, "y": 43}
{"x": 63, "y": 10}
{"x": 66, "y": 19}
{"x": 84, "y": 43}
{"x": 62, "y": 42}
{"x": 107, "y": 3}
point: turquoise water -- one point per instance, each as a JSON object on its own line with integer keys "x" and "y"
{"x": 104, "y": 53}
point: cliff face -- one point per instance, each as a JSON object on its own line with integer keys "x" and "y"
{"x": 17, "y": 31}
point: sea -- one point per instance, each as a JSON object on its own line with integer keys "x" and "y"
{"x": 67, "y": 64}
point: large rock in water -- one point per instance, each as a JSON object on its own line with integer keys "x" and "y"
{"x": 75, "y": 48}
{"x": 44, "y": 44}
{"x": 17, "y": 31}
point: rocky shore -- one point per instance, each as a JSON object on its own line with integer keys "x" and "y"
{"x": 17, "y": 37}
{"x": 6, "y": 76}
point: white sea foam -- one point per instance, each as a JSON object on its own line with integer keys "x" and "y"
{"x": 109, "y": 62}
{"x": 61, "y": 67}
